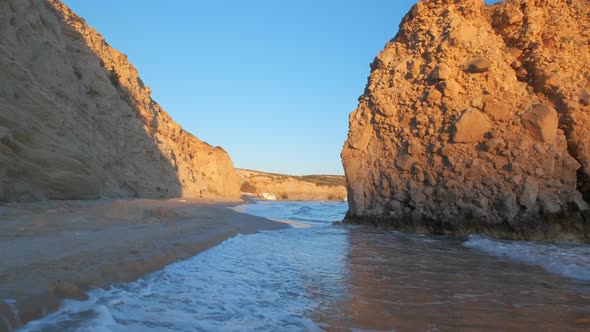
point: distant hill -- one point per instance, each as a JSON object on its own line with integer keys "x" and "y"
{"x": 293, "y": 187}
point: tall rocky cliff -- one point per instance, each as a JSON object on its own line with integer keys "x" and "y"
{"x": 476, "y": 118}
{"x": 77, "y": 122}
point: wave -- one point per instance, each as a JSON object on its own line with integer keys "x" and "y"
{"x": 569, "y": 260}
{"x": 309, "y": 212}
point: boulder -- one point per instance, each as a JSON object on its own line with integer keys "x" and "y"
{"x": 451, "y": 88}
{"x": 471, "y": 127}
{"x": 549, "y": 205}
{"x": 477, "y": 65}
{"x": 505, "y": 207}
{"x": 528, "y": 198}
{"x": 442, "y": 73}
{"x": 496, "y": 110}
{"x": 405, "y": 162}
{"x": 541, "y": 122}
{"x": 434, "y": 97}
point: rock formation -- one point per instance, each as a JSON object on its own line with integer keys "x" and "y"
{"x": 77, "y": 122}
{"x": 294, "y": 188}
{"x": 476, "y": 118}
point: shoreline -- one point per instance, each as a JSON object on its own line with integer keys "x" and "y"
{"x": 559, "y": 228}
{"x": 56, "y": 250}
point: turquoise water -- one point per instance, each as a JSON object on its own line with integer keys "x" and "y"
{"x": 328, "y": 277}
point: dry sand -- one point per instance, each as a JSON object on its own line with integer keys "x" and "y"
{"x": 50, "y": 250}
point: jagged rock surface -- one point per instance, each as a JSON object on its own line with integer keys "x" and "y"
{"x": 77, "y": 122}
{"x": 475, "y": 119}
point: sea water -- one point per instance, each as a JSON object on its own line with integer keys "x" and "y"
{"x": 331, "y": 277}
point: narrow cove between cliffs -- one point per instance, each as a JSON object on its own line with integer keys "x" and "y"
{"x": 328, "y": 277}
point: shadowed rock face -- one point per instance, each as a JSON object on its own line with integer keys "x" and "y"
{"x": 77, "y": 122}
{"x": 475, "y": 119}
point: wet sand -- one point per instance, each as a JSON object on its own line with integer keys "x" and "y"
{"x": 54, "y": 250}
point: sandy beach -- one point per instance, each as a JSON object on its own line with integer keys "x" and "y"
{"x": 58, "y": 249}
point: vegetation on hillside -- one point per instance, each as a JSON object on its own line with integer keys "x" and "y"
{"x": 324, "y": 180}
{"x": 247, "y": 187}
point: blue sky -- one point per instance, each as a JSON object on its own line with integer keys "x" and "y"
{"x": 270, "y": 81}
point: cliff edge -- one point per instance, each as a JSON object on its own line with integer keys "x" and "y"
{"x": 77, "y": 122}
{"x": 475, "y": 119}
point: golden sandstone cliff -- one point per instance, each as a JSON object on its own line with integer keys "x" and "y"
{"x": 476, "y": 118}
{"x": 293, "y": 188}
{"x": 77, "y": 122}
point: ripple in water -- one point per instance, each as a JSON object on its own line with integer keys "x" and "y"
{"x": 346, "y": 278}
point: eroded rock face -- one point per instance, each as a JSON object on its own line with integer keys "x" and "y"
{"x": 465, "y": 122}
{"x": 77, "y": 122}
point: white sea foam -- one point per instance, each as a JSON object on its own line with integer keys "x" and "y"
{"x": 570, "y": 260}
{"x": 269, "y": 281}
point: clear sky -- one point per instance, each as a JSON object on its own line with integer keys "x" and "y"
{"x": 271, "y": 81}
